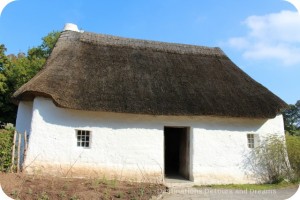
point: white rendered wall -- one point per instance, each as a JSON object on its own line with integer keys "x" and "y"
{"x": 132, "y": 146}
{"x": 121, "y": 145}
{"x": 23, "y": 123}
{"x": 220, "y": 148}
{"x": 24, "y": 116}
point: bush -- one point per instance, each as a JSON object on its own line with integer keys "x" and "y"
{"x": 293, "y": 149}
{"x": 6, "y": 142}
{"x": 269, "y": 161}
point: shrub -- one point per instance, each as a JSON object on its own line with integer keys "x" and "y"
{"x": 293, "y": 149}
{"x": 269, "y": 161}
{"x": 6, "y": 142}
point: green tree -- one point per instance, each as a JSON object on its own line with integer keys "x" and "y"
{"x": 292, "y": 119}
{"x": 43, "y": 51}
{"x": 18, "y": 69}
{"x": 3, "y": 62}
{"x": 4, "y": 86}
{"x": 3, "y": 58}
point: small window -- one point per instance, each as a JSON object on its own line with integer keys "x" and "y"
{"x": 252, "y": 140}
{"x": 83, "y": 138}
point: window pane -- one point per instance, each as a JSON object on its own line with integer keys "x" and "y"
{"x": 83, "y": 138}
{"x": 250, "y": 138}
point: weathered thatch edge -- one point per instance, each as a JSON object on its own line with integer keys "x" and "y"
{"x": 30, "y": 95}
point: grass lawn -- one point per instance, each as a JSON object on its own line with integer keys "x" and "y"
{"x": 252, "y": 186}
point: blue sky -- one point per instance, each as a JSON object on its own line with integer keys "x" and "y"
{"x": 261, "y": 36}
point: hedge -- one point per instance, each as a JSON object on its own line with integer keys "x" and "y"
{"x": 6, "y": 142}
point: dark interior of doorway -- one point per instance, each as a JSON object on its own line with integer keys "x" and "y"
{"x": 176, "y": 152}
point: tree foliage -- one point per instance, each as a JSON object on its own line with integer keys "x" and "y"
{"x": 15, "y": 70}
{"x": 3, "y": 63}
{"x": 292, "y": 119}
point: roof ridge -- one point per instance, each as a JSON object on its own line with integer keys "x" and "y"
{"x": 111, "y": 40}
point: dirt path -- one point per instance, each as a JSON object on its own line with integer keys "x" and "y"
{"x": 190, "y": 193}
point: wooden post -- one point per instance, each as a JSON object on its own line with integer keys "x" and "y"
{"x": 25, "y": 142}
{"x": 19, "y": 151}
{"x": 25, "y": 149}
{"x": 13, "y": 152}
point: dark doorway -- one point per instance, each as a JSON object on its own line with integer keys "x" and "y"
{"x": 176, "y": 152}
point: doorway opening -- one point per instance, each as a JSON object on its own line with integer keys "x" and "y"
{"x": 177, "y": 152}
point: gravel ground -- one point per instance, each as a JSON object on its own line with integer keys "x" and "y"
{"x": 190, "y": 193}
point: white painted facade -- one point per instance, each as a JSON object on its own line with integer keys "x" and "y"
{"x": 24, "y": 116}
{"x": 131, "y": 146}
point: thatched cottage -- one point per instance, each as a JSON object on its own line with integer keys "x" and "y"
{"x": 141, "y": 110}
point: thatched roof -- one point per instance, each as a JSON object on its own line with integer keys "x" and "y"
{"x": 95, "y": 72}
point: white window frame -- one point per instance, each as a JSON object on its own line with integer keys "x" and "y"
{"x": 83, "y": 142}
{"x": 252, "y": 140}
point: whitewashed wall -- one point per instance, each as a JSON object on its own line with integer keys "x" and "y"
{"x": 220, "y": 153}
{"x": 132, "y": 146}
{"x": 23, "y": 123}
{"x": 121, "y": 145}
{"x": 24, "y": 116}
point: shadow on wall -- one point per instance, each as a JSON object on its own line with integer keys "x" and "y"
{"x": 61, "y": 116}
{"x": 74, "y": 118}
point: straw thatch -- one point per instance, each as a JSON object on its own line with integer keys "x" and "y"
{"x": 87, "y": 71}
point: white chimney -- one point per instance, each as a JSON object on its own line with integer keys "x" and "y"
{"x": 72, "y": 27}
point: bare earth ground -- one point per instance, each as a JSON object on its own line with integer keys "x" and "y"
{"x": 24, "y": 187}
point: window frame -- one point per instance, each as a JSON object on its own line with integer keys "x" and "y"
{"x": 252, "y": 140}
{"x": 80, "y": 141}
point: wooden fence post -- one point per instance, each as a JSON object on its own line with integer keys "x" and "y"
{"x": 25, "y": 142}
{"x": 25, "y": 148}
{"x": 19, "y": 152}
{"x": 13, "y": 152}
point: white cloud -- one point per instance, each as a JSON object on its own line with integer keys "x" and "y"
{"x": 239, "y": 42}
{"x": 274, "y": 36}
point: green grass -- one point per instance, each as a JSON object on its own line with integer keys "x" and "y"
{"x": 251, "y": 186}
